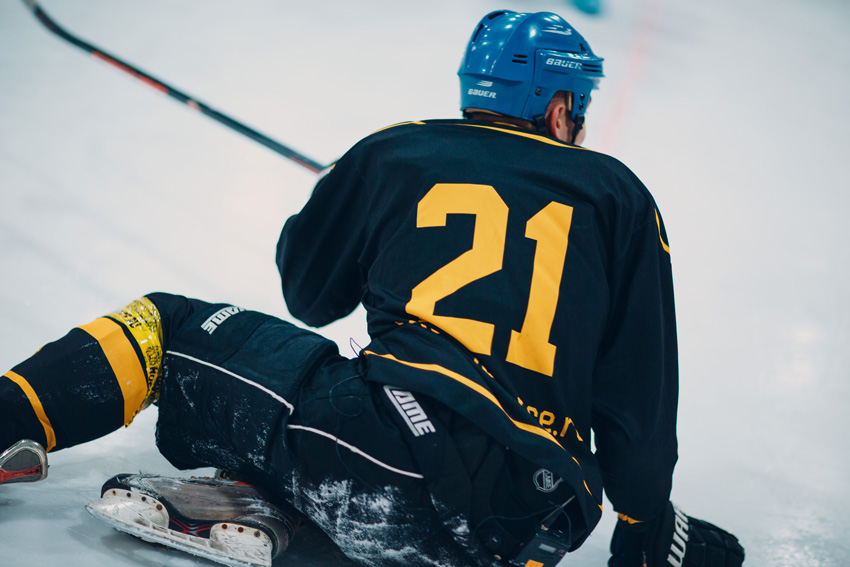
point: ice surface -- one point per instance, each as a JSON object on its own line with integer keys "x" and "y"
{"x": 733, "y": 113}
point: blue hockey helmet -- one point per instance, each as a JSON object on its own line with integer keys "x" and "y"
{"x": 516, "y": 62}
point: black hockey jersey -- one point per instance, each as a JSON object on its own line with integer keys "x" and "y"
{"x": 547, "y": 262}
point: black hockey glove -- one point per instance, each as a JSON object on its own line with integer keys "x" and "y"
{"x": 674, "y": 540}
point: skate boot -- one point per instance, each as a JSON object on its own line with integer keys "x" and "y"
{"x": 222, "y": 520}
{"x": 25, "y": 461}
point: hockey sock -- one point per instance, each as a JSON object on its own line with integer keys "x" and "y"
{"x": 86, "y": 384}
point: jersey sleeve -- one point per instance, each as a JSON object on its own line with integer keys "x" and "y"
{"x": 635, "y": 390}
{"x": 318, "y": 250}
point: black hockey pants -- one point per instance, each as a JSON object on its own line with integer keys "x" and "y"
{"x": 280, "y": 407}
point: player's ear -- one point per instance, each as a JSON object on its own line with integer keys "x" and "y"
{"x": 557, "y": 116}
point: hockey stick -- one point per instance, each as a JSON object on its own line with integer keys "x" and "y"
{"x": 162, "y": 87}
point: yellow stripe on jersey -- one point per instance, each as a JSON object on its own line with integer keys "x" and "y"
{"x": 36, "y": 407}
{"x": 399, "y": 124}
{"x": 483, "y": 392}
{"x": 629, "y": 520}
{"x": 658, "y": 222}
{"x": 473, "y": 386}
{"x": 531, "y": 135}
{"x": 124, "y": 362}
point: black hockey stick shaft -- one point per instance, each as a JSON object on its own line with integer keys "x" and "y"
{"x": 98, "y": 53}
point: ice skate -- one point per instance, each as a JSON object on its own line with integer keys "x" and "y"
{"x": 25, "y": 461}
{"x": 222, "y": 520}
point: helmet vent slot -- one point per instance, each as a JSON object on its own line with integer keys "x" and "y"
{"x": 475, "y": 35}
{"x": 519, "y": 58}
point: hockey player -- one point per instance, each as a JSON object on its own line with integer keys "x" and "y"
{"x": 519, "y": 294}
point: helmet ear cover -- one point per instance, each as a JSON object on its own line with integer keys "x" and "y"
{"x": 515, "y": 63}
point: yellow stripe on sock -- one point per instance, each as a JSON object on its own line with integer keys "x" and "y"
{"x": 124, "y": 362}
{"x": 36, "y": 407}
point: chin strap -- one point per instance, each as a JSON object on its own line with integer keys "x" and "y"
{"x": 578, "y": 124}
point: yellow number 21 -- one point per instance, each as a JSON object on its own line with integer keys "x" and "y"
{"x": 550, "y": 227}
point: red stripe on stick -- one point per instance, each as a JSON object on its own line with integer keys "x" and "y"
{"x": 147, "y": 80}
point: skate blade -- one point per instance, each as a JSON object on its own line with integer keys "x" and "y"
{"x": 25, "y": 461}
{"x": 146, "y": 518}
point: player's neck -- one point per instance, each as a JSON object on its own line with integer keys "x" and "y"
{"x": 501, "y": 119}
